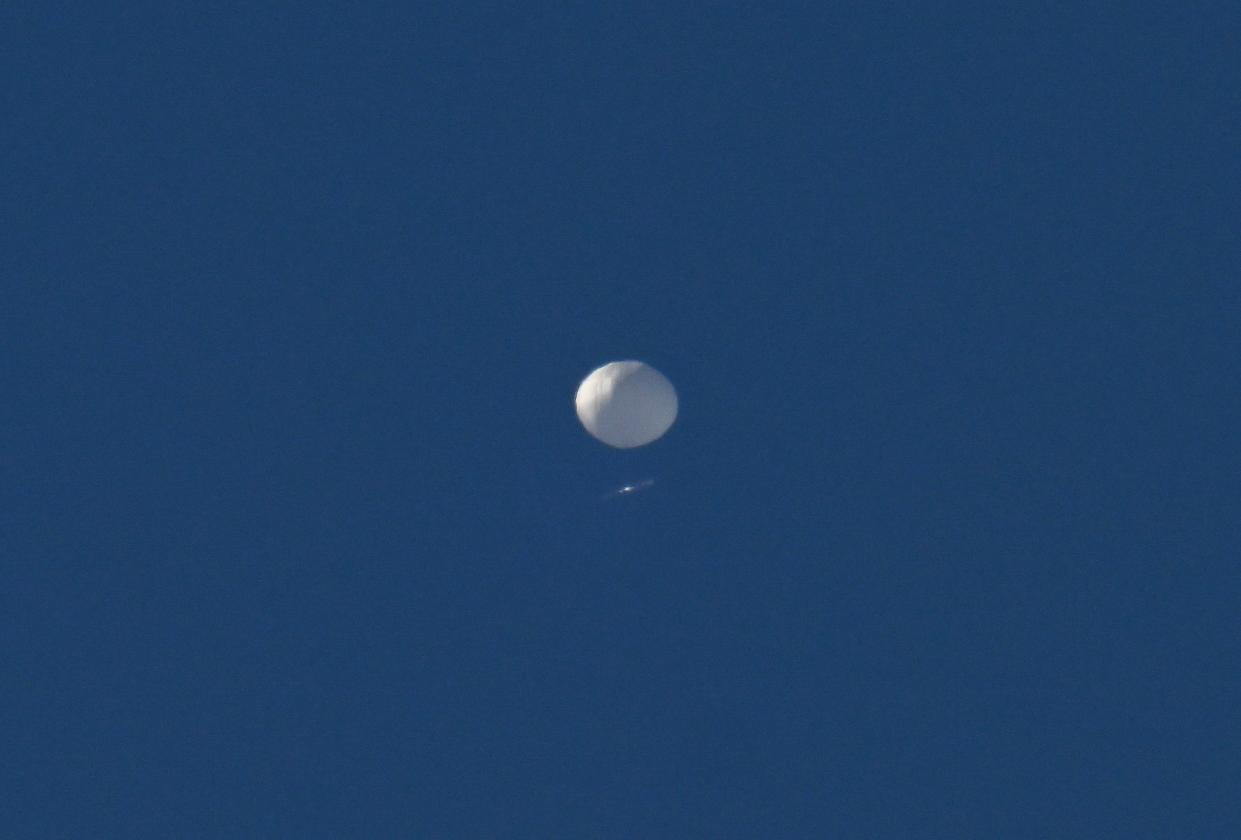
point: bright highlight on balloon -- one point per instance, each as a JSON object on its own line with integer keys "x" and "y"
{"x": 626, "y": 404}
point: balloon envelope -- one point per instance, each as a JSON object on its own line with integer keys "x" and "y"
{"x": 626, "y": 404}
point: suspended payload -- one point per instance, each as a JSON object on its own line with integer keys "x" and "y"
{"x": 626, "y": 404}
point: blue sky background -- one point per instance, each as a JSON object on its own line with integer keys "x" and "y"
{"x": 300, "y": 535}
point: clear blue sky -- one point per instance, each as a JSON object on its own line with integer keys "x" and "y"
{"x": 299, "y": 533}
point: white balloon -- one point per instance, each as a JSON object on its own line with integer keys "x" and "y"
{"x": 626, "y": 404}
